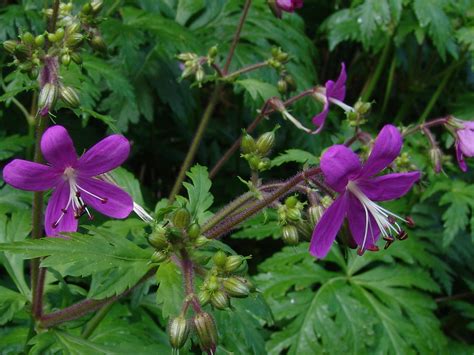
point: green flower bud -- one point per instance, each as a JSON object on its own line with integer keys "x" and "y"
{"x": 212, "y": 52}
{"x": 282, "y": 56}
{"x": 159, "y": 256}
{"x": 76, "y": 58}
{"x": 200, "y": 75}
{"x": 175, "y": 234}
{"x": 10, "y": 46}
{"x": 282, "y": 86}
{"x": 69, "y": 96}
{"x": 220, "y": 259}
{"x": 248, "y": 144}
{"x": 47, "y": 97}
{"x": 194, "y": 231}
{"x": 293, "y": 214}
{"x": 305, "y": 230}
{"x": 21, "y": 52}
{"x": 66, "y": 59}
{"x": 200, "y": 241}
{"x": 212, "y": 284}
{"x": 73, "y": 29}
{"x": 178, "y": 332}
{"x": 220, "y": 300}
{"x": 97, "y": 43}
{"x": 96, "y": 5}
{"x": 52, "y": 37}
{"x": 233, "y": 262}
{"x": 157, "y": 238}
{"x": 187, "y": 57}
{"x": 236, "y": 287}
{"x": 264, "y": 164}
{"x": 291, "y": 202}
{"x": 59, "y": 34}
{"x": 25, "y": 67}
{"x": 206, "y": 331}
{"x": 265, "y": 143}
{"x": 290, "y": 235}
{"x": 39, "y": 40}
{"x": 204, "y": 297}
{"x": 74, "y": 40}
{"x": 86, "y": 9}
{"x": 291, "y": 82}
{"x": 181, "y": 218}
{"x": 315, "y": 213}
{"x": 362, "y": 107}
{"x": 28, "y": 38}
{"x": 254, "y": 162}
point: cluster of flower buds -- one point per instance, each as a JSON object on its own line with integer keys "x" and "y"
{"x": 404, "y": 163}
{"x": 290, "y": 216}
{"x": 175, "y": 232}
{"x": 256, "y": 151}
{"x": 357, "y": 116}
{"x": 192, "y": 64}
{"x": 222, "y": 281}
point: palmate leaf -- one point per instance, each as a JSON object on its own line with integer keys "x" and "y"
{"x": 369, "y": 305}
{"x": 101, "y": 253}
{"x": 295, "y": 156}
{"x": 170, "y": 292}
{"x": 10, "y": 303}
{"x": 199, "y": 195}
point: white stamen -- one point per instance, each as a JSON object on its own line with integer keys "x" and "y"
{"x": 293, "y": 120}
{"x": 341, "y": 104}
{"x": 140, "y": 211}
{"x": 381, "y": 216}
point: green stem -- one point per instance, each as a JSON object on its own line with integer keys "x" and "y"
{"x": 438, "y": 92}
{"x": 244, "y": 70}
{"x": 196, "y": 141}
{"x": 236, "y": 38}
{"x": 95, "y": 321}
{"x": 367, "y": 92}
{"x": 388, "y": 89}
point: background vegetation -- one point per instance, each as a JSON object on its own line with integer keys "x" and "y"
{"x": 411, "y": 58}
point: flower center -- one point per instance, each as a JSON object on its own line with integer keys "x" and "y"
{"x": 386, "y": 221}
{"x": 79, "y": 207}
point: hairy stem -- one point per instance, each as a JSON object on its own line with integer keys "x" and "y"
{"x": 232, "y": 222}
{"x": 246, "y": 69}
{"x": 435, "y": 122}
{"x": 188, "y": 278}
{"x": 236, "y": 38}
{"x": 188, "y": 160}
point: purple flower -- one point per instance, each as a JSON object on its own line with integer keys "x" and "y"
{"x": 289, "y": 5}
{"x": 358, "y": 188}
{"x": 73, "y": 180}
{"x": 334, "y": 92}
{"x": 464, "y": 142}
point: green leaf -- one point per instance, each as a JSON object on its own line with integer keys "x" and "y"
{"x": 129, "y": 183}
{"x": 261, "y": 226}
{"x": 258, "y": 90}
{"x": 83, "y": 255}
{"x": 187, "y": 8}
{"x": 295, "y": 156}
{"x": 11, "y": 145}
{"x": 199, "y": 195}
{"x": 10, "y": 303}
{"x": 170, "y": 294}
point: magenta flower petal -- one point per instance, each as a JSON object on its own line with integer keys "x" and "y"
{"x": 57, "y": 147}
{"x": 106, "y": 155}
{"x": 55, "y": 212}
{"x": 26, "y": 175}
{"x": 339, "y": 164}
{"x": 460, "y": 157}
{"x": 387, "y": 147}
{"x": 326, "y": 230}
{"x": 466, "y": 141}
{"x": 285, "y": 5}
{"x": 320, "y": 118}
{"x": 106, "y": 198}
{"x": 388, "y": 187}
{"x": 357, "y": 224}
{"x": 337, "y": 89}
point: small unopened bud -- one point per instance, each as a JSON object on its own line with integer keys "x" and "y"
{"x": 290, "y": 235}
{"x": 21, "y": 52}
{"x": 181, "y": 218}
{"x": 206, "y": 331}
{"x": 212, "y": 52}
{"x": 233, "y": 262}
{"x": 10, "y": 46}
{"x": 236, "y": 287}
{"x": 157, "y": 238}
{"x": 47, "y": 98}
{"x": 39, "y": 40}
{"x": 315, "y": 213}
{"x": 220, "y": 259}
{"x": 73, "y": 28}
{"x": 200, "y": 241}
{"x": 248, "y": 144}
{"x": 291, "y": 202}
{"x": 282, "y": 86}
{"x": 204, "y": 297}
{"x": 66, "y": 59}
{"x": 265, "y": 142}
{"x": 194, "y": 231}
{"x": 178, "y": 332}
{"x": 436, "y": 158}
{"x": 76, "y": 58}
{"x": 219, "y": 300}
{"x": 264, "y": 164}
{"x": 362, "y": 107}
{"x": 28, "y": 38}
{"x": 59, "y": 34}
{"x": 69, "y": 96}
{"x": 185, "y": 57}
{"x": 159, "y": 256}
{"x": 74, "y": 39}
{"x": 200, "y": 75}
{"x": 254, "y": 162}
{"x": 86, "y": 9}
{"x": 291, "y": 82}
{"x": 293, "y": 214}
{"x": 97, "y": 43}
{"x": 96, "y": 5}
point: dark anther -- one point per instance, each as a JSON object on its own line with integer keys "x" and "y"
{"x": 389, "y": 238}
{"x": 78, "y": 194}
{"x": 63, "y": 210}
{"x": 391, "y": 219}
{"x": 103, "y": 200}
{"x": 373, "y": 248}
{"x": 389, "y": 242}
{"x": 402, "y": 235}
{"x": 55, "y": 224}
{"x": 410, "y": 221}
{"x": 360, "y": 251}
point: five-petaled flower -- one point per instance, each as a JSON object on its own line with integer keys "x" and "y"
{"x": 358, "y": 188}
{"x": 333, "y": 92}
{"x": 464, "y": 142}
{"x": 289, "y": 5}
{"x": 73, "y": 180}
